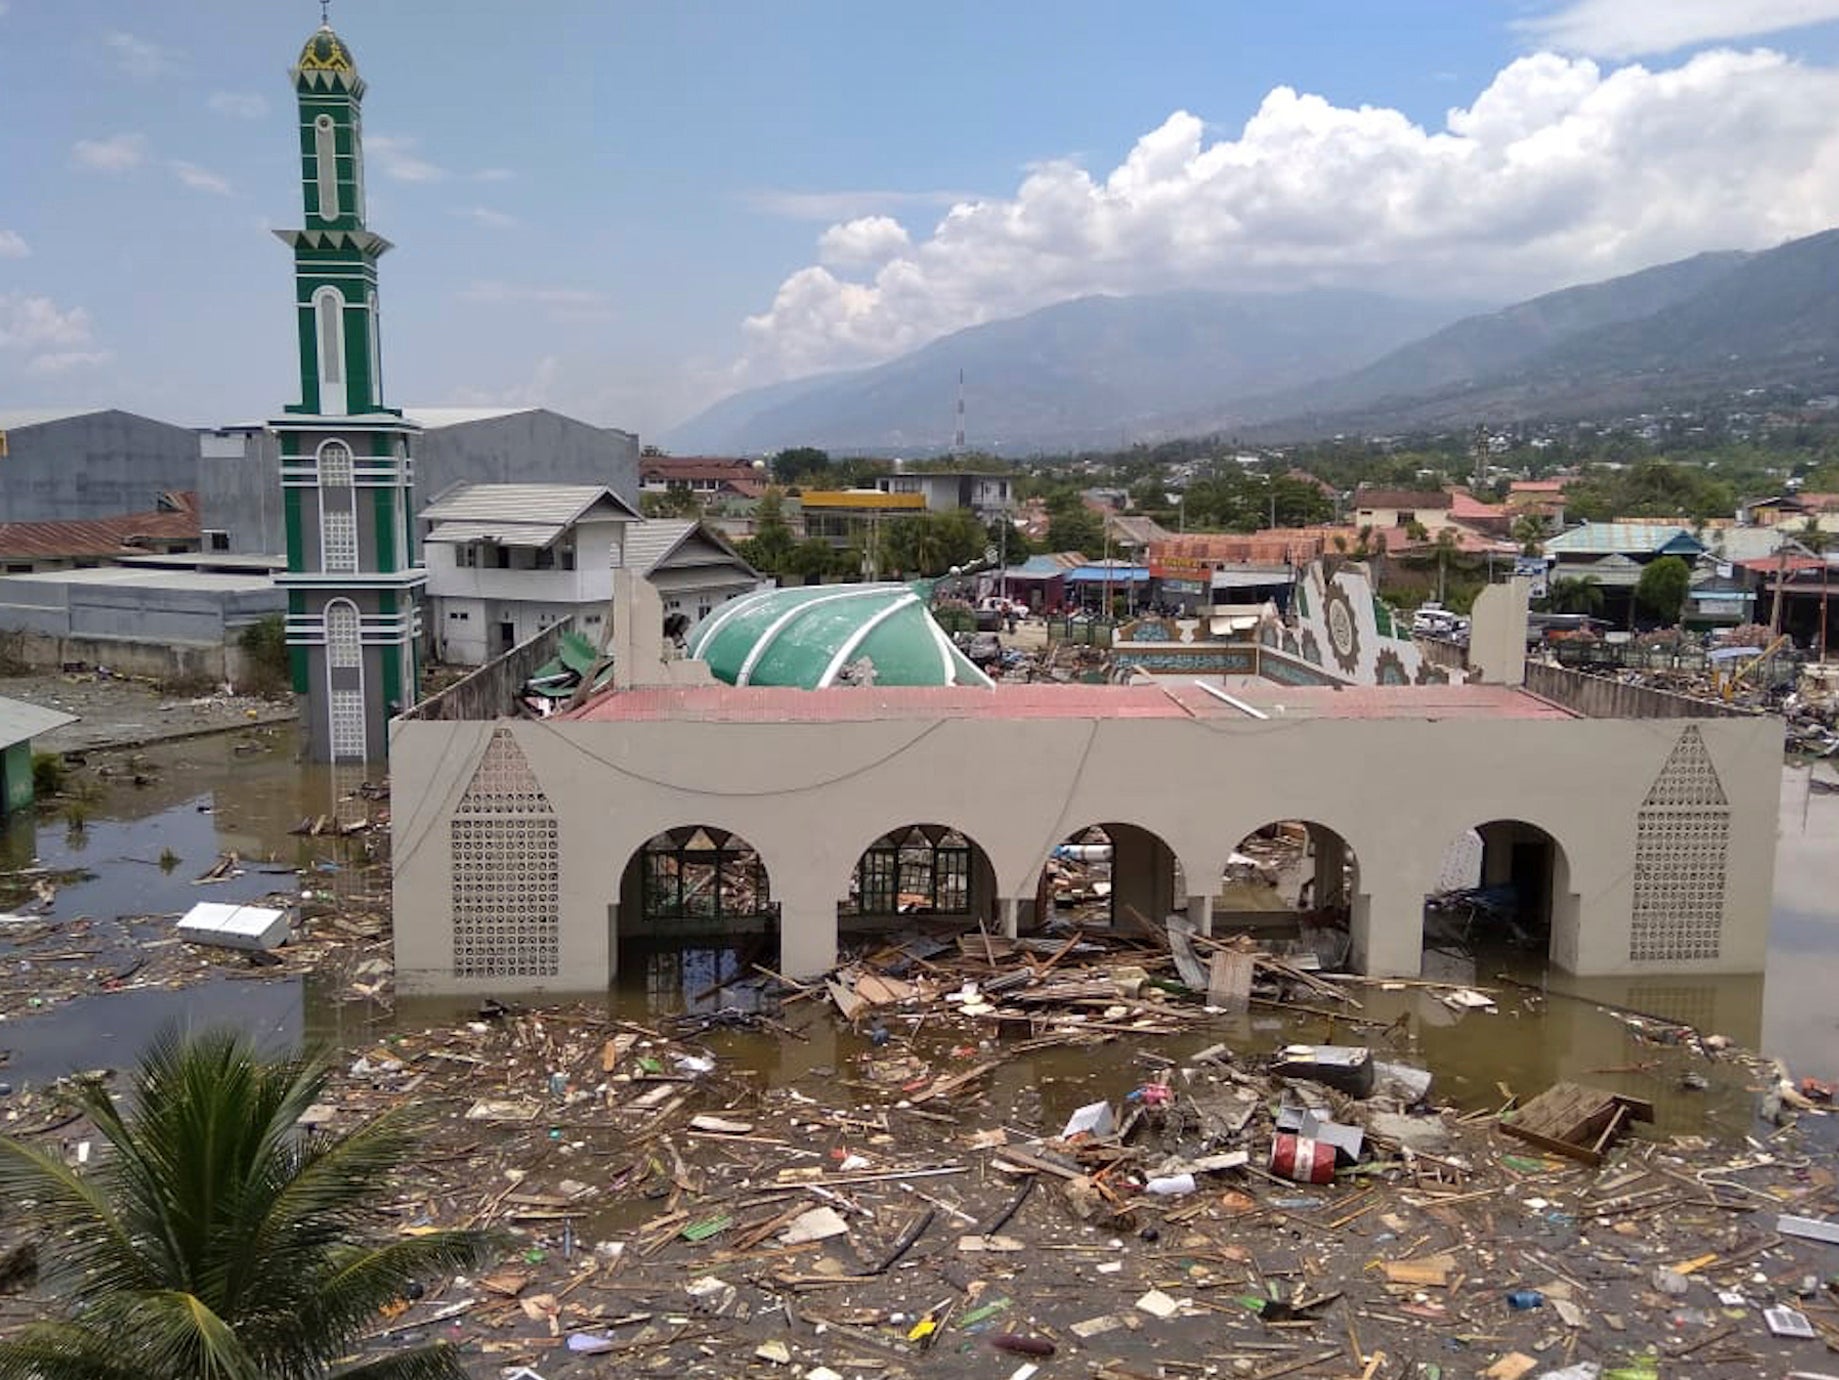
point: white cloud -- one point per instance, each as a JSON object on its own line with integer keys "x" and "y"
{"x": 36, "y": 323}
{"x": 238, "y": 105}
{"x": 1631, "y": 28}
{"x": 844, "y": 205}
{"x": 200, "y": 179}
{"x": 863, "y": 242}
{"x": 493, "y": 175}
{"x": 486, "y": 216}
{"x": 118, "y": 153}
{"x": 396, "y": 156}
{"x": 1559, "y": 172}
{"x": 139, "y": 57}
{"x": 63, "y": 361}
{"x": 13, "y": 245}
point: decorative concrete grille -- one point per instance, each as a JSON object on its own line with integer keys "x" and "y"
{"x": 506, "y": 915}
{"x": 338, "y": 535}
{"x": 335, "y": 467}
{"x": 349, "y": 740}
{"x": 344, "y": 635}
{"x": 1682, "y": 836}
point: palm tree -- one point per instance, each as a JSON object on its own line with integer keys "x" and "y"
{"x": 1574, "y": 594}
{"x": 1529, "y": 532}
{"x": 217, "y": 1240}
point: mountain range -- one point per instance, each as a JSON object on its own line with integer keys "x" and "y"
{"x": 1101, "y": 372}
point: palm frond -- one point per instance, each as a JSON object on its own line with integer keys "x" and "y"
{"x": 94, "y": 1245}
{"x": 64, "y": 1351}
{"x": 345, "y": 1301}
{"x": 438, "y": 1362}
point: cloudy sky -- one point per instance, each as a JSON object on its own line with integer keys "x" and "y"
{"x": 625, "y": 210}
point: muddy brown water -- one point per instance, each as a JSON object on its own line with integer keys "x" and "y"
{"x": 242, "y": 793}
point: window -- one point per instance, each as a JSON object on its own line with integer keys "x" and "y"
{"x": 545, "y": 558}
{"x": 216, "y": 541}
{"x": 501, "y": 557}
{"x": 325, "y": 166}
{"x": 344, "y": 638}
{"x": 376, "y": 356}
{"x": 466, "y": 556}
{"x": 567, "y": 557}
{"x": 335, "y": 465}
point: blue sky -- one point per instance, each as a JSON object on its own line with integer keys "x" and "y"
{"x": 626, "y": 210}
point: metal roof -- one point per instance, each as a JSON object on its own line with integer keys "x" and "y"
{"x": 654, "y": 542}
{"x": 535, "y": 535}
{"x": 434, "y": 418}
{"x": 559, "y": 504}
{"x": 20, "y": 721}
{"x": 141, "y": 577}
{"x": 1628, "y": 538}
{"x": 805, "y": 636}
{"x": 18, "y": 418}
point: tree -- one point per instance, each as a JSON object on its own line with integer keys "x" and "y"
{"x": 215, "y": 1239}
{"x": 675, "y": 502}
{"x": 1075, "y": 527}
{"x": 1662, "y": 588}
{"x": 801, "y": 464}
{"x": 1574, "y": 594}
{"x": 1529, "y": 532}
{"x": 770, "y": 546}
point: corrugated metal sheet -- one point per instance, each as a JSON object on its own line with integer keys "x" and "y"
{"x": 553, "y": 503}
{"x": 1620, "y": 538}
{"x": 101, "y": 536}
{"x": 530, "y": 534}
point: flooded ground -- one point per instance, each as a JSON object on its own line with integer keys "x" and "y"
{"x": 143, "y": 848}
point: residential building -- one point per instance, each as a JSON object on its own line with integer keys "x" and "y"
{"x": 843, "y": 518}
{"x": 708, "y": 478}
{"x": 691, "y": 565}
{"x": 76, "y": 464}
{"x": 505, "y": 561}
{"x": 1429, "y": 508}
{"x": 1611, "y": 555}
{"x": 989, "y": 495}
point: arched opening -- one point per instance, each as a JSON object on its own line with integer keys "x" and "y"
{"x": 920, "y": 875}
{"x": 695, "y": 914}
{"x": 329, "y": 330}
{"x": 1294, "y": 884}
{"x": 1502, "y": 893}
{"x": 346, "y": 722}
{"x": 1109, "y": 875}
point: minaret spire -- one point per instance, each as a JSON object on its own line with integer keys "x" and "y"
{"x": 325, "y": 14}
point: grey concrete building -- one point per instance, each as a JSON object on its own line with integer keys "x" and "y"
{"x": 239, "y": 474}
{"x": 63, "y": 464}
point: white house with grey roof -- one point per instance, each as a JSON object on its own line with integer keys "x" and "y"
{"x": 506, "y": 561}
{"x": 691, "y": 565}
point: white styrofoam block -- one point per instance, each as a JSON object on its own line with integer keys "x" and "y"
{"x": 233, "y": 927}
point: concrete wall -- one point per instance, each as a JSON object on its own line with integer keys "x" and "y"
{"x": 536, "y": 447}
{"x": 148, "y": 613}
{"x": 492, "y": 689}
{"x": 98, "y": 464}
{"x": 1599, "y": 697}
{"x": 161, "y": 661}
{"x": 239, "y": 490}
{"x": 811, "y": 796}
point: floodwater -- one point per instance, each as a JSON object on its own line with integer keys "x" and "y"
{"x": 243, "y": 793}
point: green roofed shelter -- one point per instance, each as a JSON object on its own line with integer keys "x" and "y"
{"x": 805, "y": 636}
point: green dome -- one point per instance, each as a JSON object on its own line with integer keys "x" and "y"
{"x": 805, "y": 637}
{"x": 325, "y": 51}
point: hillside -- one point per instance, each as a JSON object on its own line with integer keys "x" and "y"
{"x": 1098, "y": 371}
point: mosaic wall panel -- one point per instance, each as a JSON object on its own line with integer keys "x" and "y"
{"x": 1682, "y": 839}
{"x": 506, "y": 908}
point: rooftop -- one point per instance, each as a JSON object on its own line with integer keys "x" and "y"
{"x": 1166, "y": 700}
{"x": 1400, "y": 498}
{"x": 1624, "y": 538}
{"x": 650, "y": 542}
{"x": 20, "y": 721}
{"x": 113, "y": 536}
{"x": 140, "y": 577}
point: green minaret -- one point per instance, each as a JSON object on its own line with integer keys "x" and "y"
{"x": 352, "y": 576}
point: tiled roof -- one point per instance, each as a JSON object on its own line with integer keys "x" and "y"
{"x": 1466, "y": 505}
{"x": 114, "y": 536}
{"x": 1400, "y": 498}
{"x": 1272, "y": 547}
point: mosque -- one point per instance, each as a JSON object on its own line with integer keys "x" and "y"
{"x": 826, "y": 759}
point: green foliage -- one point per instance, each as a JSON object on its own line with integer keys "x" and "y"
{"x": 214, "y": 1240}
{"x": 1651, "y": 488}
{"x": 1075, "y": 527}
{"x": 266, "y": 668}
{"x": 1529, "y": 532}
{"x": 48, "y": 774}
{"x": 769, "y": 549}
{"x": 675, "y": 502}
{"x": 1662, "y": 588}
{"x": 1574, "y": 594}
